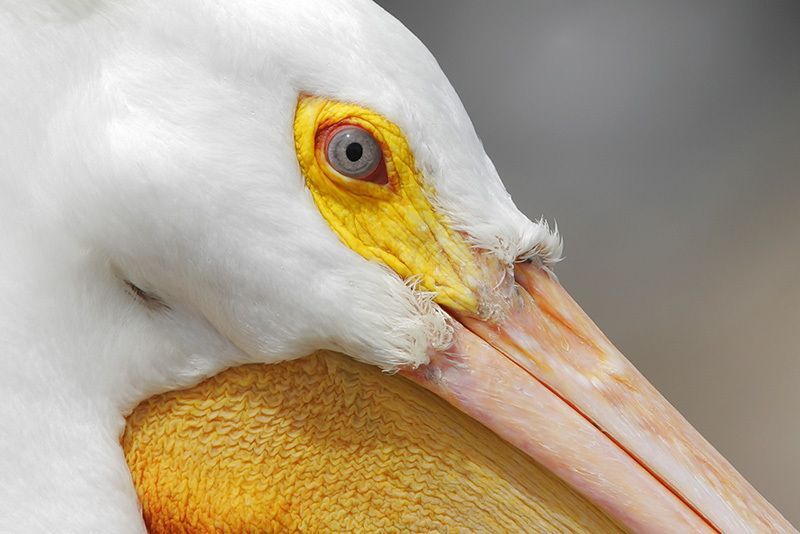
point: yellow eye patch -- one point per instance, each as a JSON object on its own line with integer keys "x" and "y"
{"x": 393, "y": 223}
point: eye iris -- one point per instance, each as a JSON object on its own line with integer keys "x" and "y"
{"x": 353, "y": 152}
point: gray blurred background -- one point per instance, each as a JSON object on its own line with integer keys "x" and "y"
{"x": 664, "y": 137}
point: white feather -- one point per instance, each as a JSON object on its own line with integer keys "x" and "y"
{"x": 151, "y": 142}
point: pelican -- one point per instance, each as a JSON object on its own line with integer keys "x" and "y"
{"x": 194, "y": 186}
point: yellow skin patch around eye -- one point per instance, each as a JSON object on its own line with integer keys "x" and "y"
{"x": 396, "y": 223}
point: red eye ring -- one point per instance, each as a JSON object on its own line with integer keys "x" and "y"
{"x": 354, "y": 153}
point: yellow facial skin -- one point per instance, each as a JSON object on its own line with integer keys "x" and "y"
{"x": 394, "y": 224}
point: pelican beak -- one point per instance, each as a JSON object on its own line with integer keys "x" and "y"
{"x": 543, "y": 376}
{"x": 548, "y": 381}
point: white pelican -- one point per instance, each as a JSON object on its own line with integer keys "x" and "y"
{"x": 193, "y": 185}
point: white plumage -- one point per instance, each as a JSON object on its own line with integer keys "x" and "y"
{"x": 151, "y": 142}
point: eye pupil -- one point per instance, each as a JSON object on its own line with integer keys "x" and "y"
{"x": 354, "y": 151}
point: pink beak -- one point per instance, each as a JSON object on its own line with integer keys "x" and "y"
{"x": 548, "y": 381}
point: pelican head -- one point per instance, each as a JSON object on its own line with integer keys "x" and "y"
{"x": 206, "y": 184}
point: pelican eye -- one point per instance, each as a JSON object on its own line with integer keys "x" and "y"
{"x": 353, "y": 152}
{"x": 361, "y": 173}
